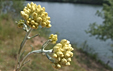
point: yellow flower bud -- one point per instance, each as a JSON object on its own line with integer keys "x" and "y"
{"x": 62, "y": 50}
{"x": 38, "y": 10}
{"x": 67, "y": 55}
{"x": 34, "y": 15}
{"x": 39, "y": 6}
{"x": 36, "y": 27}
{"x": 68, "y": 42}
{"x": 25, "y": 16}
{"x": 66, "y": 48}
{"x": 69, "y": 45}
{"x": 63, "y": 61}
{"x": 63, "y": 41}
{"x": 53, "y": 42}
{"x": 33, "y": 26}
{"x": 51, "y": 36}
{"x": 48, "y": 25}
{"x": 48, "y": 18}
{"x": 43, "y": 24}
{"x": 58, "y": 66}
{"x": 22, "y": 13}
{"x": 29, "y": 19}
{"x": 58, "y": 58}
{"x": 39, "y": 19}
{"x": 54, "y": 55}
{"x": 56, "y": 48}
{"x": 33, "y": 8}
{"x": 25, "y": 9}
{"x": 45, "y": 13}
{"x": 28, "y": 5}
{"x": 27, "y": 22}
{"x": 68, "y": 59}
{"x": 42, "y": 15}
{"x": 59, "y": 53}
{"x": 44, "y": 19}
{"x": 32, "y": 22}
{"x": 41, "y": 10}
{"x": 20, "y": 23}
{"x": 68, "y": 63}
{"x": 71, "y": 54}
{"x": 55, "y": 37}
{"x": 59, "y": 45}
{"x": 32, "y": 3}
{"x": 36, "y": 24}
{"x": 48, "y": 22}
{"x": 71, "y": 49}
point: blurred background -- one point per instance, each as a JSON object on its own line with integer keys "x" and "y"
{"x": 75, "y": 20}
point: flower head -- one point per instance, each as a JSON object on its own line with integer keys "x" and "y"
{"x": 35, "y": 15}
{"x": 20, "y": 23}
{"x": 53, "y": 38}
{"x": 62, "y": 53}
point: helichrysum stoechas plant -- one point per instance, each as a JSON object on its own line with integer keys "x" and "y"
{"x": 33, "y": 17}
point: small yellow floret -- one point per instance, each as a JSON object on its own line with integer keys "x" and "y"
{"x": 55, "y": 55}
{"x": 68, "y": 63}
{"x": 58, "y": 66}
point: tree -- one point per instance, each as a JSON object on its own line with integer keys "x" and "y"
{"x": 103, "y": 31}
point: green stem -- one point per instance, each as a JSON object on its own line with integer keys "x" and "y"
{"x": 23, "y": 42}
{"x": 21, "y": 46}
{"x": 35, "y": 51}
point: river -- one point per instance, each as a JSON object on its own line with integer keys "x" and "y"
{"x": 71, "y": 20}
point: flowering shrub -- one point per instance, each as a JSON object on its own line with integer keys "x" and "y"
{"x": 35, "y": 16}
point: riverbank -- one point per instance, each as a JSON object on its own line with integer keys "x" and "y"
{"x": 10, "y": 39}
{"x": 94, "y": 2}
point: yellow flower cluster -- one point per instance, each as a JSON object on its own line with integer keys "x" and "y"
{"x": 20, "y": 23}
{"x": 35, "y": 16}
{"x": 53, "y": 38}
{"x": 62, "y": 53}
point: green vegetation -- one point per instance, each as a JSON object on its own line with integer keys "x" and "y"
{"x": 11, "y": 36}
{"x": 86, "y": 55}
{"x": 100, "y": 2}
{"x": 10, "y": 44}
{"x": 13, "y": 7}
{"x": 103, "y": 31}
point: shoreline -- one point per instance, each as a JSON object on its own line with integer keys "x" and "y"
{"x": 76, "y": 2}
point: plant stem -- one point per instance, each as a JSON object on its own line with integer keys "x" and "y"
{"x": 21, "y": 46}
{"x": 23, "y": 42}
{"x": 35, "y": 51}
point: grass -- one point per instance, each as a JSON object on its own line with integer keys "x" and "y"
{"x": 90, "y": 60}
{"x": 10, "y": 39}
